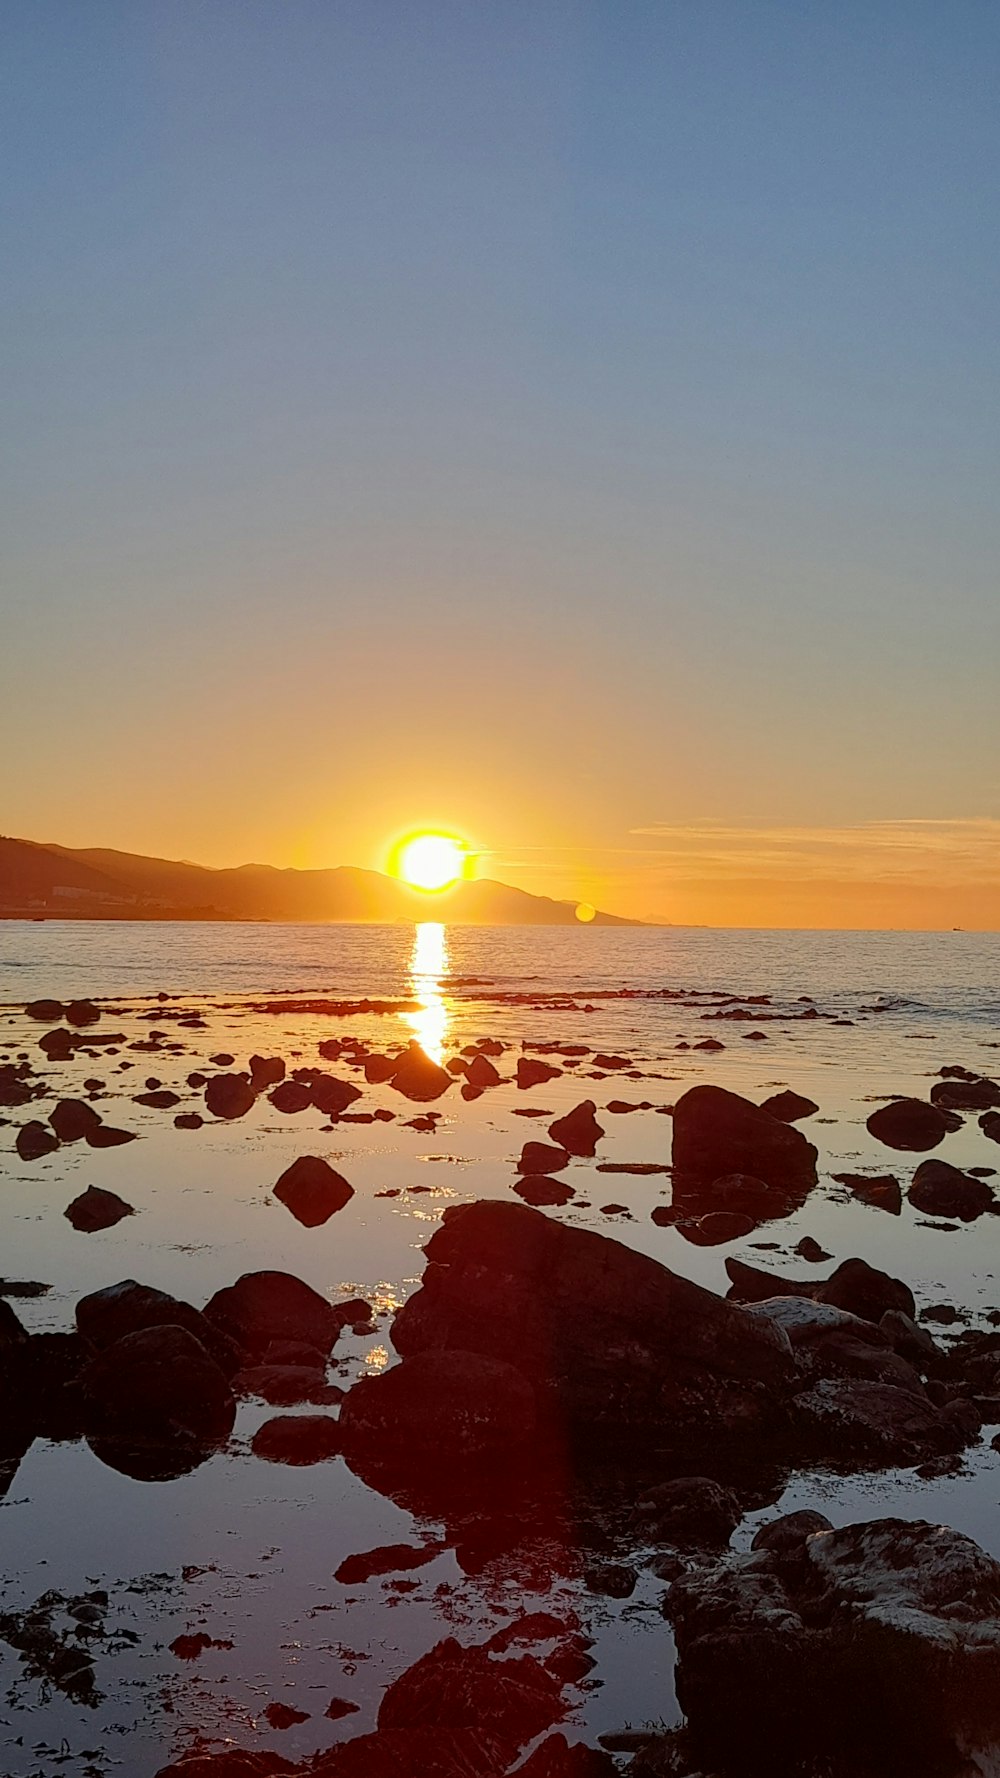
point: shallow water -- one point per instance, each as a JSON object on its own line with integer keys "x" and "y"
{"x": 246, "y": 1550}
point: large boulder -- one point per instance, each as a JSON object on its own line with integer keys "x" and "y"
{"x": 128, "y": 1307}
{"x": 718, "y": 1133}
{"x": 262, "y": 1307}
{"x": 909, "y": 1124}
{"x": 870, "y": 1650}
{"x": 610, "y": 1338}
{"x": 854, "y": 1286}
{"x": 939, "y": 1189}
{"x": 159, "y": 1385}
{"x": 974, "y": 1093}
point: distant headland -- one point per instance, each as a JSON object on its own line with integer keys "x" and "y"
{"x": 47, "y": 881}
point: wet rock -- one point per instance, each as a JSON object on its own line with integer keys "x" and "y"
{"x": 453, "y": 1407}
{"x": 107, "y": 1136}
{"x": 330, "y": 1095}
{"x": 611, "y": 1580}
{"x": 809, "y": 1249}
{"x": 97, "y": 1209}
{"x": 990, "y": 1125}
{"x": 262, "y": 1307}
{"x": 340, "y": 1707}
{"x": 969, "y": 1094}
{"x": 291, "y": 1097}
{"x": 288, "y": 1385}
{"x": 161, "y": 1099}
{"x": 556, "y": 1758}
{"x": 856, "y": 1420}
{"x": 129, "y": 1307}
{"x": 693, "y": 1512}
{"x": 312, "y": 1190}
{"x": 907, "y": 1337}
{"x": 939, "y": 1189}
{"x": 717, "y": 1133}
{"x": 533, "y": 1072}
{"x": 35, "y": 1140}
{"x": 789, "y": 1106}
{"x": 481, "y": 1073}
{"x": 229, "y": 1095}
{"x": 542, "y": 1157}
{"x": 716, "y": 1228}
{"x": 297, "y": 1439}
{"x": 159, "y": 1385}
{"x": 856, "y": 1286}
{"x": 790, "y": 1531}
{"x": 417, "y": 1077}
{"x": 611, "y": 1338}
{"x": 746, "y": 1195}
{"x": 266, "y": 1071}
{"x": 909, "y": 1124}
{"x": 45, "y": 1010}
{"x": 71, "y": 1119}
{"x": 284, "y": 1716}
{"x": 899, "y": 1618}
{"x": 188, "y": 1120}
{"x": 82, "y": 1012}
{"x": 539, "y": 1190}
{"x": 579, "y": 1131}
{"x": 233, "y": 1763}
{"x": 390, "y": 1558}
{"x": 380, "y": 1068}
{"x": 882, "y": 1192}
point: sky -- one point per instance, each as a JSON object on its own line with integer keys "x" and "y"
{"x": 574, "y": 425}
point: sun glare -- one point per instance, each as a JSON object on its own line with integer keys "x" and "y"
{"x": 431, "y": 861}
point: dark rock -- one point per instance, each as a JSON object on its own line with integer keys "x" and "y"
{"x": 297, "y": 1439}
{"x": 107, "y": 1136}
{"x": 286, "y": 1385}
{"x": 863, "y": 1290}
{"x": 716, "y": 1228}
{"x": 284, "y": 1716}
{"x": 312, "y": 1191}
{"x": 229, "y": 1095}
{"x": 481, "y": 1073}
{"x": 97, "y": 1209}
{"x": 539, "y": 1190}
{"x": 692, "y": 1512}
{"x": 882, "y": 1192}
{"x": 35, "y": 1140}
{"x": 718, "y": 1133}
{"x": 330, "y": 1095}
{"x": 556, "y": 1758}
{"x": 71, "y": 1119}
{"x": 265, "y": 1071}
{"x": 390, "y": 1558}
{"x": 541, "y": 1157}
{"x": 533, "y": 1072}
{"x": 898, "y": 1618}
{"x": 108, "y": 1315}
{"x": 939, "y": 1189}
{"x": 453, "y": 1407}
{"x": 789, "y": 1106}
{"x": 909, "y": 1124}
{"x": 162, "y": 1099}
{"x": 579, "y": 1131}
{"x": 233, "y": 1763}
{"x": 46, "y": 1010}
{"x": 188, "y": 1120}
{"x": 747, "y": 1195}
{"x": 809, "y": 1249}
{"x": 265, "y": 1306}
{"x": 790, "y": 1531}
{"x": 417, "y": 1077}
{"x": 975, "y": 1094}
{"x": 81, "y": 1012}
{"x": 990, "y": 1125}
{"x": 340, "y": 1707}
{"x": 855, "y": 1420}
{"x": 612, "y": 1580}
{"x": 291, "y": 1097}
{"x": 159, "y": 1385}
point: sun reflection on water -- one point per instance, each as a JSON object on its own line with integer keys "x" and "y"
{"x": 428, "y": 965}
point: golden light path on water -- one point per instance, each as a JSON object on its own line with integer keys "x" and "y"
{"x": 428, "y": 965}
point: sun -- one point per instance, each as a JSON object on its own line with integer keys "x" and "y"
{"x": 431, "y": 861}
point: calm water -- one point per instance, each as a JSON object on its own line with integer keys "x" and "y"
{"x": 246, "y": 1550}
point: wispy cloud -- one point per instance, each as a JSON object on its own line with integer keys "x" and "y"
{"x": 919, "y": 850}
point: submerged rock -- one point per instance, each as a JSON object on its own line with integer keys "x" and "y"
{"x": 789, "y": 1106}
{"x": 717, "y": 1133}
{"x": 870, "y": 1650}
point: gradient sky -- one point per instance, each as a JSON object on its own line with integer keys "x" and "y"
{"x": 574, "y": 424}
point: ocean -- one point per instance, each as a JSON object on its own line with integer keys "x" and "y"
{"x": 245, "y": 1550}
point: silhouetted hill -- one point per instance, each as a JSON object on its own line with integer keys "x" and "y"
{"x": 96, "y": 883}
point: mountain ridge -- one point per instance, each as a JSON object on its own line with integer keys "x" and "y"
{"x": 42, "y": 879}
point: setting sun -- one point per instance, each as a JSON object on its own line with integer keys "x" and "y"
{"x": 431, "y": 861}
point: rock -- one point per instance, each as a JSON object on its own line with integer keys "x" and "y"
{"x": 231, "y": 1764}
{"x": 539, "y": 1190}
{"x": 990, "y": 1125}
{"x": 453, "y": 1687}
{"x": 107, "y": 1136}
{"x": 97, "y": 1209}
{"x": 391, "y": 1558}
{"x": 286, "y": 1385}
{"x": 81, "y": 1012}
{"x": 126, "y": 1308}
{"x": 718, "y": 1227}
{"x": 883, "y": 1192}
{"x": 805, "y": 1320}
{"x": 748, "y": 1196}
{"x": 789, "y": 1106}
{"x": 613, "y": 1339}
{"x": 340, "y": 1707}
{"x": 975, "y": 1094}
{"x": 692, "y": 1512}
{"x": 863, "y": 1290}
{"x": 265, "y": 1306}
{"x": 555, "y": 1758}
{"x": 533, "y": 1072}
{"x": 188, "y": 1120}
{"x": 284, "y": 1716}
{"x": 71, "y": 1119}
{"x": 439, "y": 1407}
{"x": 861, "y": 1421}
{"x": 790, "y": 1531}
{"x": 297, "y": 1439}
{"x": 34, "y": 1141}
{"x": 611, "y": 1580}
{"x": 718, "y": 1133}
{"x": 291, "y": 1097}
{"x": 160, "y": 1100}
{"x": 229, "y": 1095}
{"x": 159, "y": 1385}
{"x": 312, "y": 1191}
{"x": 46, "y": 1010}
{"x": 809, "y": 1249}
{"x": 579, "y": 1131}
{"x": 939, "y": 1189}
{"x": 330, "y": 1095}
{"x": 265, "y": 1071}
{"x": 417, "y": 1077}
{"x": 909, "y": 1124}
{"x": 542, "y": 1157}
{"x": 899, "y": 1618}
{"x": 907, "y": 1337}
{"x": 481, "y": 1073}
